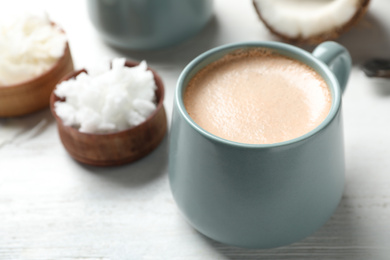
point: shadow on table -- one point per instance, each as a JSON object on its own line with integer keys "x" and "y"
{"x": 381, "y": 86}
{"x": 138, "y": 173}
{"x": 369, "y": 39}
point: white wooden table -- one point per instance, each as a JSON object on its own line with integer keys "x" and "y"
{"x": 52, "y": 207}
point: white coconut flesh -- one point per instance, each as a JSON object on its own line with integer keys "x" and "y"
{"x": 306, "y": 18}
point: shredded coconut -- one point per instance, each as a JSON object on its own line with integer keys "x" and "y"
{"x": 29, "y": 46}
{"x": 107, "y": 100}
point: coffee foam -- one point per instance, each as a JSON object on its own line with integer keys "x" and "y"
{"x": 256, "y": 96}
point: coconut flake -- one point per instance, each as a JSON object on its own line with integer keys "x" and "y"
{"x": 107, "y": 100}
{"x": 29, "y": 46}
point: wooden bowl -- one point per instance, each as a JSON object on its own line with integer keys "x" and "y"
{"x": 33, "y": 95}
{"x": 117, "y": 148}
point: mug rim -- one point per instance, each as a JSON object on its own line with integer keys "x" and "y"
{"x": 281, "y": 48}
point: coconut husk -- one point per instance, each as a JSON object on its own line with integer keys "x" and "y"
{"x": 325, "y": 36}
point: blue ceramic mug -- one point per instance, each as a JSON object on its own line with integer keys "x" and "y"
{"x": 148, "y": 24}
{"x": 260, "y": 196}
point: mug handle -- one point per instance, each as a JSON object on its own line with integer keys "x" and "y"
{"x": 337, "y": 58}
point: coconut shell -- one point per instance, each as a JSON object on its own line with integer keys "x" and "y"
{"x": 325, "y": 36}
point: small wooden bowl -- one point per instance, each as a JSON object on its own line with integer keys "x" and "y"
{"x": 117, "y": 148}
{"x": 33, "y": 95}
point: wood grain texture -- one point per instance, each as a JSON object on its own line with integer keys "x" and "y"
{"x": 52, "y": 207}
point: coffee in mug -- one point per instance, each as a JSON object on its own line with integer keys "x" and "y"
{"x": 259, "y": 195}
{"x": 257, "y": 96}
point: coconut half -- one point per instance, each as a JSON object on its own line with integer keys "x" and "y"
{"x": 310, "y": 21}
